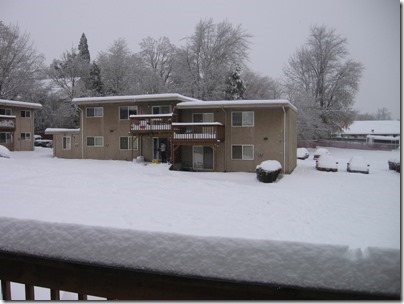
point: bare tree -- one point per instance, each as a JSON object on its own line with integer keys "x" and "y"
{"x": 203, "y": 65}
{"x": 20, "y": 64}
{"x": 383, "y": 114}
{"x": 320, "y": 72}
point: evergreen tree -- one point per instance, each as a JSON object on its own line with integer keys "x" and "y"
{"x": 235, "y": 86}
{"x": 84, "y": 53}
{"x": 95, "y": 78}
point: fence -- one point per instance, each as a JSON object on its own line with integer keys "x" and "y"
{"x": 346, "y": 145}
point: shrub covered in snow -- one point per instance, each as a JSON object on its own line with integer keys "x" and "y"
{"x": 4, "y": 152}
{"x": 302, "y": 153}
{"x": 319, "y": 152}
{"x": 268, "y": 171}
{"x": 358, "y": 164}
{"x": 327, "y": 163}
{"x": 394, "y": 164}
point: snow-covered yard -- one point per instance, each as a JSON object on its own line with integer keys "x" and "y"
{"x": 350, "y": 212}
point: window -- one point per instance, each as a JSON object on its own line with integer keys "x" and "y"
{"x": 242, "y": 152}
{"x": 25, "y": 136}
{"x": 25, "y": 113}
{"x": 95, "y": 112}
{"x": 5, "y": 137}
{"x": 125, "y": 143}
{"x": 95, "y": 141}
{"x": 242, "y": 119}
{"x": 161, "y": 109}
{"x": 67, "y": 143}
{"x": 125, "y": 112}
{"x": 5, "y": 111}
{"x": 202, "y": 117}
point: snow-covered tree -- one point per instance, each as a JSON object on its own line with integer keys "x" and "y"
{"x": 97, "y": 86}
{"x": 119, "y": 69}
{"x": 321, "y": 73}
{"x": 261, "y": 87}
{"x": 235, "y": 86}
{"x": 203, "y": 64}
{"x": 158, "y": 58}
{"x": 84, "y": 53}
{"x": 383, "y": 114}
{"x": 20, "y": 64}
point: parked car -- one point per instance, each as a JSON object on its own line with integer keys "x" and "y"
{"x": 302, "y": 153}
{"x": 319, "y": 152}
{"x": 327, "y": 163}
{"x": 40, "y": 142}
{"x": 358, "y": 164}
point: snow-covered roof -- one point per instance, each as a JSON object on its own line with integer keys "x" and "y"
{"x": 375, "y": 127}
{"x": 20, "y": 104}
{"x": 236, "y": 103}
{"x": 60, "y": 130}
{"x": 132, "y": 98}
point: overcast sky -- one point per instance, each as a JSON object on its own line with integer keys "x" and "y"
{"x": 279, "y": 27}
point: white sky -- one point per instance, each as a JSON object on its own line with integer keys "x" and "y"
{"x": 279, "y": 27}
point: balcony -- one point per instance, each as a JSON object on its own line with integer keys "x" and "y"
{"x": 197, "y": 133}
{"x": 7, "y": 123}
{"x": 149, "y": 124}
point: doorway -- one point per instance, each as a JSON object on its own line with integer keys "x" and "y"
{"x": 157, "y": 147}
{"x": 202, "y": 158}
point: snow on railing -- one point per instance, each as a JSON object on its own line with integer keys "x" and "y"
{"x": 128, "y": 264}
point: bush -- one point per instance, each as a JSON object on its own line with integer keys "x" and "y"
{"x": 268, "y": 171}
{"x": 394, "y": 165}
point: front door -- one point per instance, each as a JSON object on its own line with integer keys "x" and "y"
{"x": 161, "y": 149}
{"x": 202, "y": 158}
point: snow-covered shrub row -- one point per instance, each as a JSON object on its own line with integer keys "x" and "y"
{"x": 268, "y": 171}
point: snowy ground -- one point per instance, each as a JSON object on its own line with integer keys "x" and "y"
{"x": 354, "y": 210}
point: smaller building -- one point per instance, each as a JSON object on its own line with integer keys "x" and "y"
{"x": 17, "y": 124}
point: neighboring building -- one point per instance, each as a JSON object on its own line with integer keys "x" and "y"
{"x": 196, "y": 135}
{"x": 372, "y": 132}
{"x": 17, "y": 124}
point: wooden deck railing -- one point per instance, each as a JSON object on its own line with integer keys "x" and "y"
{"x": 129, "y": 284}
{"x": 150, "y": 123}
{"x": 7, "y": 123}
{"x": 198, "y": 132}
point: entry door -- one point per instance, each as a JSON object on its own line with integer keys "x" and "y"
{"x": 202, "y": 158}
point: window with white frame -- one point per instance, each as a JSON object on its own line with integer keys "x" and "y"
{"x": 25, "y": 136}
{"x": 95, "y": 112}
{"x": 4, "y": 111}
{"x": 202, "y": 117}
{"x": 126, "y": 143}
{"x": 67, "y": 143}
{"x": 5, "y": 137}
{"x": 126, "y": 111}
{"x": 26, "y": 113}
{"x": 95, "y": 141}
{"x": 242, "y": 152}
{"x": 242, "y": 119}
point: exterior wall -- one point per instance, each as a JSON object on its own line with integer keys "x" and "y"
{"x": 266, "y": 135}
{"x": 23, "y": 125}
{"x": 75, "y": 149}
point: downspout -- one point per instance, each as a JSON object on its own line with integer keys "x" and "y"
{"x": 284, "y": 138}
{"x": 225, "y": 119}
{"x": 82, "y": 132}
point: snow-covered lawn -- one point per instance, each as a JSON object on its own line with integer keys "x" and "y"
{"x": 348, "y": 210}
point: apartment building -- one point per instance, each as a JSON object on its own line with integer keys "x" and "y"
{"x": 17, "y": 124}
{"x": 195, "y": 135}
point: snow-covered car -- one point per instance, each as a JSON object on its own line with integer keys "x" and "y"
{"x": 327, "y": 163}
{"x": 40, "y": 142}
{"x": 358, "y": 164}
{"x": 319, "y": 152}
{"x": 302, "y": 153}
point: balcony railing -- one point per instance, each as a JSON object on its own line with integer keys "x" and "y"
{"x": 7, "y": 123}
{"x": 194, "y": 133}
{"x": 128, "y": 284}
{"x": 149, "y": 123}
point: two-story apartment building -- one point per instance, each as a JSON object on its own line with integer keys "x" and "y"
{"x": 197, "y": 135}
{"x": 17, "y": 124}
